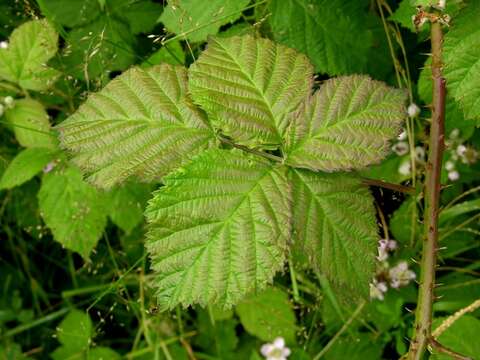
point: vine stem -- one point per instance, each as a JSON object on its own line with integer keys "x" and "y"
{"x": 423, "y": 315}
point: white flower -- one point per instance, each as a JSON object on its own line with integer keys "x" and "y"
{"x": 377, "y": 289}
{"x": 49, "y": 167}
{"x": 8, "y": 101}
{"x": 449, "y": 165}
{"x": 402, "y": 136}
{"x": 400, "y": 275}
{"x": 441, "y": 4}
{"x": 276, "y": 350}
{"x": 413, "y": 110}
{"x": 420, "y": 154}
{"x": 384, "y": 246}
{"x": 461, "y": 149}
{"x": 400, "y": 148}
{"x": 454, "y": 133}
{"x": 405, "y": 168}
{"x": 3, "y": 44}
{"x": 453, "y": 175}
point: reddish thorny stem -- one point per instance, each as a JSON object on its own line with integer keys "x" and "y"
{"x": 423, "y": 315}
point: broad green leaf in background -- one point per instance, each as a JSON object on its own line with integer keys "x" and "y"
{"x": 268, "y": 315}
{"x": 347, "y": 124}
{"x": 460, "y": 336}
{"x": 404, "y": 222}
{"x": 70, "y": 13}
{"x": 102, "y": 353}
{"x": 195, "y": 19}
{"x": 30, "y": 47}
{"x": 333, "y": 34}
{"x": 142, "y": 124}
{"x": 462, "y": 60}
{"x": 72, "y": 209}
{"x": 75, "y": 331}
{"x": 360, "y": 346}
{"x": 30, "y": 123}
{"x": 248, "y": 87}
{"x": 334, "y": 224}
{"x": 141, "y": 15}
{"x": 218, "y": 230}
{"x": 25, "y": 166}
{"x": 126, "y": 204}
{"x": 171, "y": 53}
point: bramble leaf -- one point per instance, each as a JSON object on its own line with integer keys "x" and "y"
{"x": 72, "y": 209}
{"x": 195, "y": 20}
{"x": 248, "y": 86}
{"x": 218, "y": 229}
{"x": 142, "y": 124}
{"x": 347, "y": 124}
{"x": 462, "y": 60}
{"x": 334, "y": 225}
{"x": 332, "y": 33}
{"x": 30, "y": 47}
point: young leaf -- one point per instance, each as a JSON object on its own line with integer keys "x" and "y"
{"x": 72, "y": 209}
{"x": 141, "y": 124}
{"x": 196, "y": 19}
{"x": 461, "y": 58}
{"x": 268, "y": 315}
{"x": 332, "y": 33}
{"x": 218, "y": 229}
{"x": 29, "y": 121}
{"x": 346, "y": 125}
{"x": 248, "y": 86}
{"x": 334, "y": 224}
{"x": 25, "y": 166}
{"x": 23, "y": 62}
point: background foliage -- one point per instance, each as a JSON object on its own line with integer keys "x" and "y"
{"x": 75, "y": 279}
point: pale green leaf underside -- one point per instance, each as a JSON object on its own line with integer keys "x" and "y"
{"x": 31, "y": 45}
{"x": 347, "y": 124}
{"x": 334, "y": 225}
{"x": 25, "y": 166}
{"x": 462, "y": 60}
{"x": 248, "y": 86}
{"x": 30, "y": 122}
{"x": 142, "y": 124}
{"x": 268, "y": 315}
{"x": 72, "y": 209}
{"x": 195, "y": 20}
{"x": 218, "y": 230}
{"x": 330, "y": 32}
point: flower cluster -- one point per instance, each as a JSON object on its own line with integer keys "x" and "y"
{"x": 457, "y": 153}
{"x": 6, "y": 103}
{"x": 276, "y": 350}
{"x": 395, "y": 277}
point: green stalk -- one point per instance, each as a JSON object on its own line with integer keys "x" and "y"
{"x": 423, "y": 315}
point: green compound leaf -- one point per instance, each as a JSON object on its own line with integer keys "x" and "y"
{"x": 195, "y": 20}
{"x": 142, "y": 124}
{"x": 462, "y": 60}
{"x": 218, "y": 230}
{"x": 334, "y": 225}
{"x": 268, "y": 315}
{"x": 72, "y": 209}
{"x": 248, "y": 86}
{"x": 30, "y": 123}
{"x": 30, "y": 47}
{"x": 333, "y": 33}
{"x": 347, "y": 124}
{"x": 25, "y": 166}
